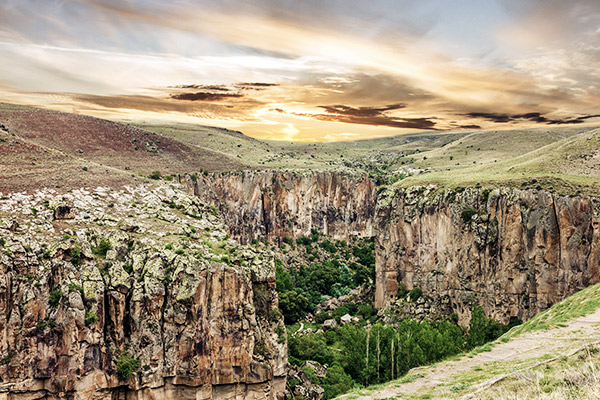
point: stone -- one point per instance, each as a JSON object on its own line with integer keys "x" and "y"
{"x": 63, "y": 212}
{"x": 330, "y": 324}
{"x": 345, "y": 319}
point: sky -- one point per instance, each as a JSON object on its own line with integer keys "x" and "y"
{"x": 310, "y": 70}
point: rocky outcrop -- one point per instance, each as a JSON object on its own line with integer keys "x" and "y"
{"x": 140, "y": 296}
{"x": 272, "y": 204}
{"x": 514, "y": 252}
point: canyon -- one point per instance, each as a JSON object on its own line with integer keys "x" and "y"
{"x": 514, "y": 252}
{"x": 148, "y": 275}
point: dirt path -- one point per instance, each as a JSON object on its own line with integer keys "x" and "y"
{"x": 526, "y": 351}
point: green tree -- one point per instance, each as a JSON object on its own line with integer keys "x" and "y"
{"x": 477, "y": 327}
{"x": 293, "y": 306}
{"x": 337, "y": 381}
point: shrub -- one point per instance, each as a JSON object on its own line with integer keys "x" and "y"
{"x": 2, "y": 242}
{"x": 154, "y": 175}
{"x": 328, "y": 246}
{"x": 468, "y": 214}
{"x": 76, "y": 256}
{"x": 415, "y": 294}
{"x": 127, "y": 365}
{"x": 402, "y": 291}
{"x": 303, "y": 240}
{"x": 169, "y": 246}
{"x": 321, "y": 317}
{"x": 288, "y": 240}
{"x": 73, "y": 287}
{"x": 337, "y": 381}
{"x": 102, "y": 248}
{"x": 180, "y": 252}
{"x": 485, "y": 193}
{"x": 90, "y": 318}
{"x": 55, "y": 296}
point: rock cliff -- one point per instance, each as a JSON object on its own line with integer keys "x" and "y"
{"x": 514, "y": 252}
{"x": 273, "y": 204}
{"x": 140, "y": 294}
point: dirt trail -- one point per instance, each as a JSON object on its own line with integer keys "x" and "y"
{"x": 531, "y": 346}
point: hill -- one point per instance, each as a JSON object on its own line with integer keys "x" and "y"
{"x": 49, "y": 148}
{"x": 563, "y": 161}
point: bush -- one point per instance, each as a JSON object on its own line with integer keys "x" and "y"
{"x": 415, "y": 294}
{"x": 328, "y": 246}
{"x": 366, "y": 310}
{"x": 303, "y": 240}
{"x": 468, "y": 214}
{"x": 127, "y": 365}
{"x": 294, "y": 306}
{"x": 321, "y": 317}
{"x": 402, "y": 291}
{"x": 485, "y": 194}
{"x": 55, "y": 296}
{"x": 337, "y": 381}
{"x": 288, "y": 240}
{"x": 102, "y": 248}
{"x": 90, "y": 318}
{"x": 154, "y": 175}
{"x": 76, "y": 256}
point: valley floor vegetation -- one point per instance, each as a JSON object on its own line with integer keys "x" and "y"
{"x": 364, "y": 351}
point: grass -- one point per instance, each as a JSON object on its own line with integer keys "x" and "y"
{"x": 574, "y": 377}
{"x": 566, "y": 163}
{"x": 580, "y": 304}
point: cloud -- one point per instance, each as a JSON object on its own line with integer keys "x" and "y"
{"x": 361, "y": 111}
{"x": 375, "y": 116}
{"x": 205, "y": 96}
{"x": 532, "y": 116}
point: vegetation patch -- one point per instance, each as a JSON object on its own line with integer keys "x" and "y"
{"x": 127, "y": 365}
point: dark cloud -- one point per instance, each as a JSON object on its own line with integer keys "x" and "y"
{"x": 375, "y": 116}
{"x": 205, "y": 96}
{"x": 533, "y": 116}
{"x": 221, "y": 88}
{"x": 255, "y": 85}
{"x": 360, "y": 111}
{"x": 577, "y": 120}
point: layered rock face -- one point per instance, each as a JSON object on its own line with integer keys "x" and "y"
{"x": 274, "y": 204}
{"x": 517, "y": 254}
{"x": 145, "y": 277}
{"x": 514, "y": 252}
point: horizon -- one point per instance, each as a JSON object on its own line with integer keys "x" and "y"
{"x": 307, "y": 71}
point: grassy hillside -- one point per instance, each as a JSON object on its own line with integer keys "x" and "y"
{"x": 560, "y": 159}
{"x": 366, "y": 154}
{"x": 568, "y": 165}
{"x": 52, "y": 148}
{"x": 49, "y": 148}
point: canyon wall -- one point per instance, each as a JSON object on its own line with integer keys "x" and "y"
{"x": 273, "y": 204}
{"x": 517, "y": 254}
{"x": 514, "y": 252}
{"x": 146, "y": 277}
